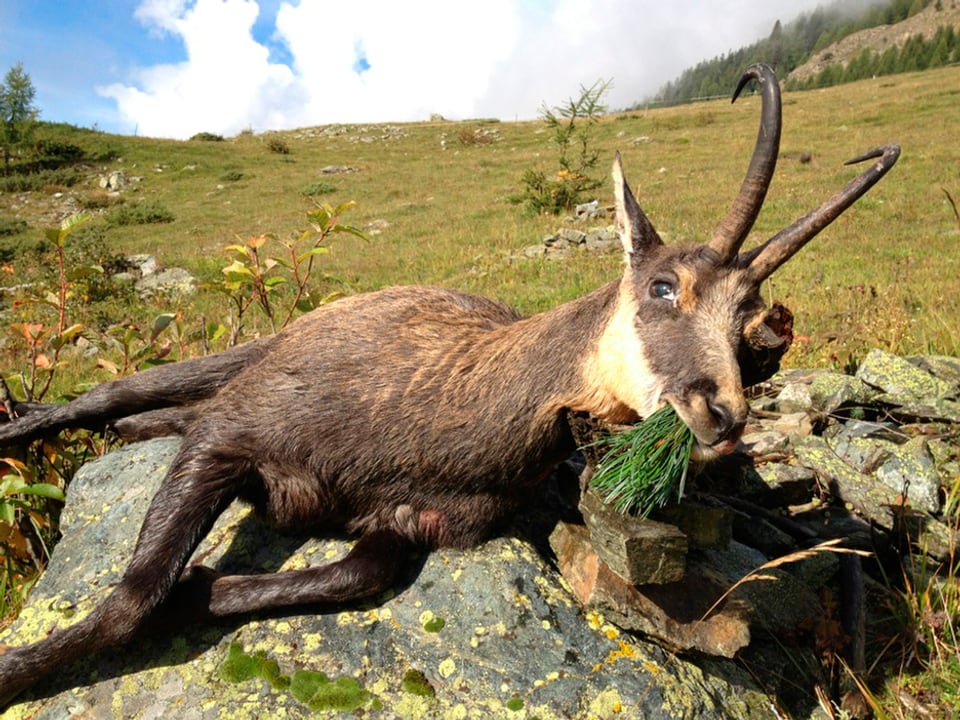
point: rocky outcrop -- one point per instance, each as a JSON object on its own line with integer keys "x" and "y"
{"x": 500, "y": 631}
{"x": 491, "y": 632}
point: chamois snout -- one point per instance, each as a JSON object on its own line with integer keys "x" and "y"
{"x": 716, "y": 418}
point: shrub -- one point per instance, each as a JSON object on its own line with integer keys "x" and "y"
{"x": 207, "y": 137}
{"x": 27, "y": 182}
{"x": 319, "y": 188}
{"x": 11, "y": 226}
{"x": 143, "y": 213}
{"x": 478, "y": 136}
{"x": 278, "y": 145}
{"x": 55, "y": 151}
{"x": 99, "y": 200}
{"x": 571, "y": 125}
{"x": 231, "y": 176}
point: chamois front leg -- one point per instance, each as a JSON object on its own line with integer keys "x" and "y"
{"x": 194, "y": 493}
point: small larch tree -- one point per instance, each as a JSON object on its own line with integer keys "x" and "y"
{"x": 18, "y": 114}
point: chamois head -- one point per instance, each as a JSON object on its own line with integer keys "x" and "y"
{"x": 688, "y": 310}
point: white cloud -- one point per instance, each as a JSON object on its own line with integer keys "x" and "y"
{"x": 378, "y": 60}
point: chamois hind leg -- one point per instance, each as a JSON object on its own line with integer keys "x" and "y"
{"x": 373, "y": 564}
{"x": 194, "y": 493}
{"x": 162, "y": 386}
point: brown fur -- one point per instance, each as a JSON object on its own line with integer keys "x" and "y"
{"x": 414, "y": 417}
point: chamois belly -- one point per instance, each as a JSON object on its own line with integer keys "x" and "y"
{"x": 344, "y": 425}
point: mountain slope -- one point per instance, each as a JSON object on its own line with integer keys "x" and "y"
{"x": 879, "y": 39}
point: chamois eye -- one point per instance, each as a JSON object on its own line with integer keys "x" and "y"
{"x": 663, "y": 289}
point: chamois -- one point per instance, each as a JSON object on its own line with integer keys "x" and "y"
{"x": 419, "y": 417}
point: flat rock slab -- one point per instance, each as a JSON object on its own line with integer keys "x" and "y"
{"x": 488, "y": 633}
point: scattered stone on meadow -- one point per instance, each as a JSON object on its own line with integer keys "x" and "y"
{"x": 338, "y": 170}
{"x": 560, "y": 243}
{"x": 375, "y": 227}
{"x": 588, "y": 211}
{"x": 114, "y": 181}
{"x": 566, "y": 237}
{"x": 143, "y": 264}
{"x": 173, "y": 281}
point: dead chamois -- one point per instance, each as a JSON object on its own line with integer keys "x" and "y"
{"x": 417, "y": 417}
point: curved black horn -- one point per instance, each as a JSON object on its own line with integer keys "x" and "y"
{"x": 732, "y": 231}
{"x": 761, "y": 262}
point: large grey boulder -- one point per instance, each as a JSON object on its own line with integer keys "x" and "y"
{"x": 487, "y": 633}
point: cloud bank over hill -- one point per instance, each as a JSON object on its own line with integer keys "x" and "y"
{"x": 275, "y": 65}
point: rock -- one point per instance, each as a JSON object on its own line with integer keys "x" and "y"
{"x": 786, "y": 484}
{"x": 765, "y": 442}
{"x": 113, "y": 181}
{"x": 170, "y": 281}
{"x": 559, "y": 243}
{"x": 677, "y": 613}
{"x": 941, "y": 366}
{"x": 490, "y": 632}
{"x": 587, "y": 211}
{"x": 143, "y": 264}
{"x": 704, "y": 526}
{"x": 911, "y": 472}
{"x": 602, "y": 240}
{"x": 794, "y": 425}
{"x": 338, "y": 170}
{"x": 829, "y": 391}
{"x": 856, "y": 490}
{"x": 900, "y": 379}
{"x": 863, "y": 454}
{"x": 567, "y": 236}
{"x": 795, "y": 398}
{"x": 639, "y": 551}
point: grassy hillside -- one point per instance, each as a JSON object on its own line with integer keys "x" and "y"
{"x": 883, "y": 275}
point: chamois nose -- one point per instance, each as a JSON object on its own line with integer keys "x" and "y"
{"x": 728, "y": 425}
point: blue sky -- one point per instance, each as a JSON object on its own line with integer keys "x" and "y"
{"x": 171, "y": 68}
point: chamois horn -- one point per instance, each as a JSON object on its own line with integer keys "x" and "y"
{"x": 762, "y": 261}
{"x": 733, "y": 229}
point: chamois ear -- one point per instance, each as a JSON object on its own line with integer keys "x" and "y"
{"x": 636, "y": 231}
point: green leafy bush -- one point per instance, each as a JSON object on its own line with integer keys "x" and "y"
{"x": 207, "y": 137}
{"x": 319, "y": 188}
{"x": 11, "y": 226}
{"x": 27, "y": 182}
{"x": 572, "y": 126}
{"x": 143, "y": 213}
{"x": 278, "y": 145}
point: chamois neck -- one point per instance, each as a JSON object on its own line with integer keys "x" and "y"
{"x": 551, "y": 353}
